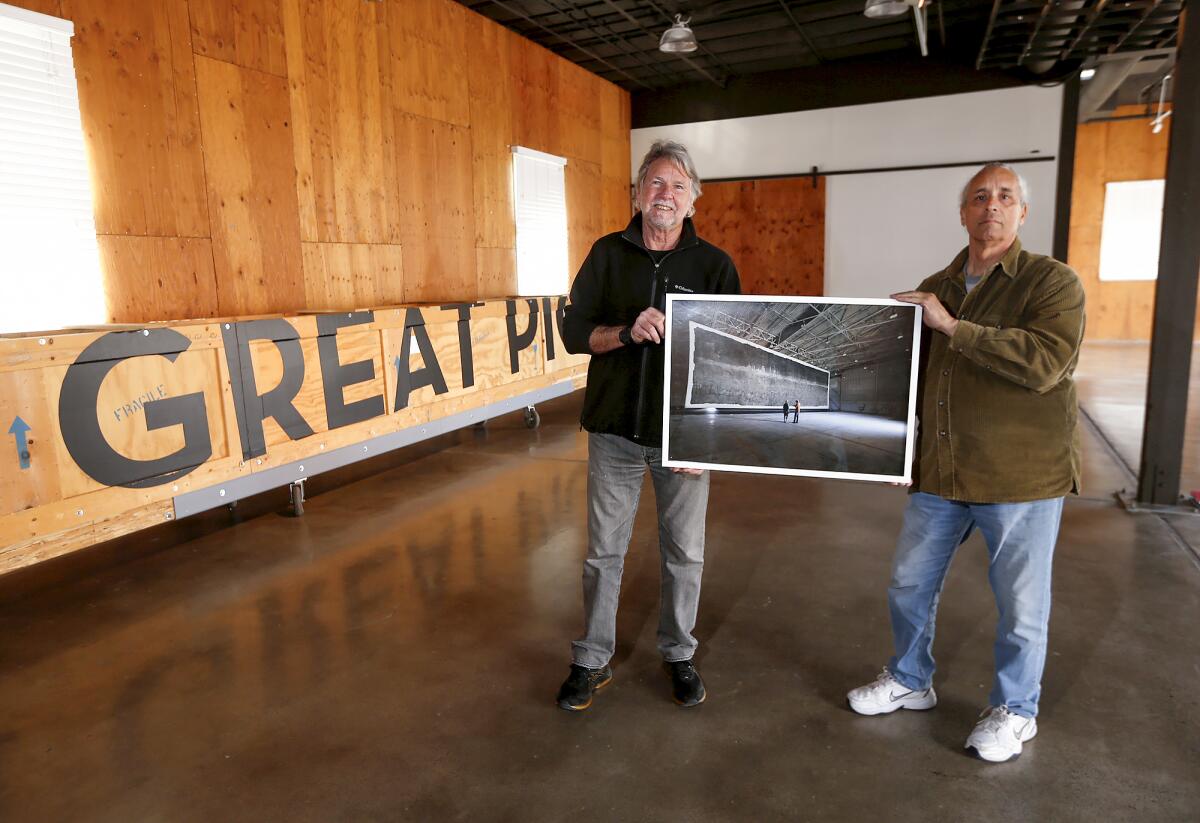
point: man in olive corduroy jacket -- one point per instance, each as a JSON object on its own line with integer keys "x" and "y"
{"x": 998, "y": 451}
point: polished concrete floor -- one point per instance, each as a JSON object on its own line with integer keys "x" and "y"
{"x": 811, "y": 441}
{"x": 393, "y": 655}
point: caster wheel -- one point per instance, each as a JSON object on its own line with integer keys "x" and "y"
{"x": 532, "y": 418}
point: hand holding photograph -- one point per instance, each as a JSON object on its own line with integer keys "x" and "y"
{"x": 842, "y": 371}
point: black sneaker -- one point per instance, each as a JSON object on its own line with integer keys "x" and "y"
{"x": 576, "y": 692}
{"x": 686, "y": 684}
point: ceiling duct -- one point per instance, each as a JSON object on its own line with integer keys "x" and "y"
{"x": 1109, "y": 76}
{"x": 1054, "y": 18}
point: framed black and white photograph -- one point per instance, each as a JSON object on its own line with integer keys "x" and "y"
{"x": 812, "y": 386}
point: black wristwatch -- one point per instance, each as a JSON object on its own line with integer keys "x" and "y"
{"x": 625, "y": 336}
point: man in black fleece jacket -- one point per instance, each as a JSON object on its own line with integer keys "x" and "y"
{"x": 615, "y": 315}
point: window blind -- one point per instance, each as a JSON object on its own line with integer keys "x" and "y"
{"x": 539, "y": 196}
{"x": 49, "y": 266}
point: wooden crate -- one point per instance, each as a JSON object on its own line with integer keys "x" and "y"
{"x": 115, "y": 422}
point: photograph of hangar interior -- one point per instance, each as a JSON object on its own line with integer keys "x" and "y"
{"x": 326, "y": 494}
{"x": 791, "y": 385}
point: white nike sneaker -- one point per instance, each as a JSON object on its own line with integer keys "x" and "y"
{"x": 999, "y": 734}
{"x": 887, "y": 694}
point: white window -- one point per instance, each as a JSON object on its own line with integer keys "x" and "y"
{"x": 49, "y": 264}
{"x": 539, "y": 195}
{"x": 1131, "y": 231}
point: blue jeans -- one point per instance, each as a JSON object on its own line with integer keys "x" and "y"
{"x": 1020, "y": 541}
{"x": 616, "y": 467}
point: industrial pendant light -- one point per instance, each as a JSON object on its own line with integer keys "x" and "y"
{"x": 877, "y": 9}
{"x": 678, "y": 39}
{"x": 884, "y": 9}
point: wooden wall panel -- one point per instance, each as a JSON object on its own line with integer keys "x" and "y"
{"x": 535, "y": 96}
{"x": 616, "y": 204}
{"x": 489, "y": 65}
{"x": 791, "y": 226}
{"x": 578, "y": 115}
{"x": 584, "y": 211}
{"x": 149, "y": 278}
{"x": 51, "y": 7}
{"x": 773, "y": 229}
{"x": 437, "y": 215}
{"x": 439, "y": 270}
{"x": 552, "y": 106}
{"x": 435, "y": 180}
{"x": 348, "y": 276}
{"x": 381, "y": 131}
{"x": 251, "y": 185}
{"x": 614, "y": 158}
{"x": 1104, "y": 153}
{"x": 429, "y": 50}
{"x": 137, "y": 99}
{"x": 496, "y": 272}
{"x": 343, "y": 129}
{"x": 248, "y": 33}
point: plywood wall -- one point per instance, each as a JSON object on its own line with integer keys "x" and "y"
{"x": 255, "y": 156}
{"x": 1104, "y": 153}
{"x": 773, "y": 229}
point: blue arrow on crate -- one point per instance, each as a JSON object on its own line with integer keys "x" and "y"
{"x": 18, "y": 430}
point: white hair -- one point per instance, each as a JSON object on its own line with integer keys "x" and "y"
{"x": 678, "y": 154}
{"x": 1022, "y": 184}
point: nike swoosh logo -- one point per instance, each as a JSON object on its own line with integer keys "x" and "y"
{"x": 896, "y": 697}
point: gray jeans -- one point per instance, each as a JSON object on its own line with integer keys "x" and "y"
{"x": 616, "y": 467}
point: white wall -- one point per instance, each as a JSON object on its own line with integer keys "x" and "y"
{"x": 886, "y": 231}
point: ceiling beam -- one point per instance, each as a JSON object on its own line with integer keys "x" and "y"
{"x": 1049, "y": 4}
{"x": 987, "y": 34}
{"x": 1093, "y": 16}
{"x": 800, "y": 30}
{"x": 507, "y": 7}
{"x": 627, "y": 47}
{"x": 1151, "y": 7}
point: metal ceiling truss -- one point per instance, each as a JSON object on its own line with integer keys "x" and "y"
{"x": 1035, "y": 34}
{"x": 618, "y": 39}
{"x": 833, "y": 337}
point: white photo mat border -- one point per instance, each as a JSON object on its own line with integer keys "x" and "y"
{"x": 910, "y": 421}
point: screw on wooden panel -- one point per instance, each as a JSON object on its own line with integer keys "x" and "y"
{"x": 41, "y": 341}
{"x": 79, "y": 512}
{"x": 170, "y": 515}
